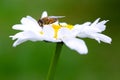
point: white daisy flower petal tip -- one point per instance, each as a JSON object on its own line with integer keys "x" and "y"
{"x": 76, "y": 44}
{"x": 54, "y": 31}
{"x": 98, "y": 35}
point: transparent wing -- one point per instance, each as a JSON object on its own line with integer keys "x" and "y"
{"x": 44, "y": 14}
{"x": 56, "y": 16}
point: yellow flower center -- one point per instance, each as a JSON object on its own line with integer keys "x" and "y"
{"x": 69, "y": 26}
{"x": 41, "y": 33}
{"x": 56, "y": 28}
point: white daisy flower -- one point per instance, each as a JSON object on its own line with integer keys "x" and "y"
{"x": 55, "y": 31}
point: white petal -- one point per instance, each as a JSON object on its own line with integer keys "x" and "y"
{"x": 49, "y": 34}
{"x": 82, "y": 26}
{"x": 19, "y": 38}
{"x": 104, "y": 38}
{"x": 32, "y": 19}
{"x": 76, "y": 44}
{"x": 86, "y": 23}
{"x": 28, "y": 23}
{"x": 95, "y": 22}
{"x": 64, "y": 32}
{"x": 25, "y": 36}
{"x": 26, "y": 27}
{"x": 20, "y": 27}
{"x": 79, "y": 28}
{"x": 87, "y": 31}
{"x": 44, "y": 14}
{"x": 101, "y": 25}
{"x": 19, "y": 41}
{"x": 82, "y": 35}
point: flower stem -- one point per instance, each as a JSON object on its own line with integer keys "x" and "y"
{"x": 54, "y": 61}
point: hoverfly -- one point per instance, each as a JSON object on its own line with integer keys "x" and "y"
{"x": 48, "y": 19}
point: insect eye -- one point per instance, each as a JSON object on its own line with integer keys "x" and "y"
{"x": 40, "y": 22}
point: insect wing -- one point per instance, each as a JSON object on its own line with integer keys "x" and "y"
{"x": 56, "y": 16}
{"x": 44, "y": 14}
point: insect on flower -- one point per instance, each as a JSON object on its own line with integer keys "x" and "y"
{"x": 45, "y": 20}
{"x": 48, "y": 28}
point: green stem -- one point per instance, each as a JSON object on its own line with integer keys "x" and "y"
{"x": 54, "y": 61}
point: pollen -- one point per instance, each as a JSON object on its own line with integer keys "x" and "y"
{"x": 69, "y": 26}
{"x": 41, "y": 33}
{"x": 56, "y": 28}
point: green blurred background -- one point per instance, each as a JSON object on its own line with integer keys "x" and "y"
{"x": 31, "y": 60}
